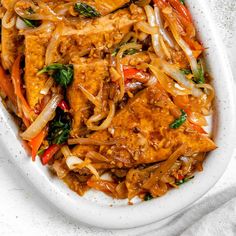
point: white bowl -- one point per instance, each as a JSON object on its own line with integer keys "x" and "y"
{"x": 95, "y": 208}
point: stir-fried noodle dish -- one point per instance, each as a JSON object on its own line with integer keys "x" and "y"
{"x": 110, "y": 95}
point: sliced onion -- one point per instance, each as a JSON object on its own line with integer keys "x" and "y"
{"x": 168, "y": 84}
{"x": 96, "y": 156}
{"x": 60, "y": 170}
{"x": 209, "y": 90}
{"x": 162, "y": 30}
{"x": 90, "y": 141}
{"x": 197, "y": 118}
{"x": 107, "y": 121}
{"x": 96, "y": 117}
{"x": 44, "y": 117}
{"x": 20, "y": 24}
{"x": 120, "y": 66}
{"x": 49, "y": 83}
{"x": 177, "y": 75}
{"x": 165, "y": 49}
{"x": 51, "y": 51}
{"x": 152, "y": 81}
{"x": 146, "y": 28}
{"x": 9, "y": 19}
{"x": 45, "y": 27}
{"x": 74, "y": 162}
{"x": 155, "y": 37}
{"x": 188, "y": 52}
{"x": 64, "y": 8}
{"x": 90, "y": 96}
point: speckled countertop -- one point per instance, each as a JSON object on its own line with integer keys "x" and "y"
{"x": 22, "y": 212}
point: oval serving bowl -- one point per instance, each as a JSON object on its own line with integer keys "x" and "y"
{"x": 99, "y": 210}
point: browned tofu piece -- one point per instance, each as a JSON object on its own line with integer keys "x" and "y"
{"x": 142, "y": 133}
{"x": 35, "y": 48}
{"x": 106, "y": 6}
{"x": 90, "y": 75}
{"x": 103, "y": 7}
{"x": 9, "y": 47}
{"x": 101, "y": 33}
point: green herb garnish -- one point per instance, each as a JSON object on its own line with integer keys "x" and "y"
{"x": 199, "y": 78}
{"x": 59, "y": 127}
{"x": 178, "y": 122}
{"x": 182, "y": 181}
{"x": 182, "y": 1}
{"x": 86, "y": 10}
{"x": 186, "y": 71}
{"x": 62, "y": 74}
{"x": 148, "y": 197}
{"x": 130, "y": 51}
{"x": 31, "y": 23}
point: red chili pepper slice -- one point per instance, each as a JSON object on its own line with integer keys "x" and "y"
{"x": 49, "y": 153}
{"x": 63, "y": 105}
{"x": 180, "y": 177}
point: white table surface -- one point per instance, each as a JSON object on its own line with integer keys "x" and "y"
{"x": 22, "y": 212}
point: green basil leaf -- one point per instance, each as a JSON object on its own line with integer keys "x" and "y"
{"x": 86, "y": 10}
{"x": 130, "y": 51}
{"x": 182, "y": 1}
{"x": 178, "y": 122}
{"x": 31, "y": 23}
{"x": 148, "y": 197}
{"x": 200, "y": 77}
{"x": 62, "y": 74}
{"x": 186, "y": 71}
{"x": 59, "y": 127}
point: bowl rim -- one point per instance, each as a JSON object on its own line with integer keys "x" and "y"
{"x": 121, "y": 217}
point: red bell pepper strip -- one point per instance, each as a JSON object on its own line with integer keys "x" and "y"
{"x": 133, "y": 73}
{"x": 49, "y": 153}
{"x": 63, "y": 105}
{"x": 181, "y": 9}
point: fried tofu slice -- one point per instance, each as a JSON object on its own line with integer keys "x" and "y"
{"x": 89, "y": 75}
{"x": 106, "y": 6}
{"x": 103, "y": 7}
{"x": 101, "y": 33}
{"x": 9, "y": 47}
{"x": 35, "y": 48}
{"x": 142, "y": 134}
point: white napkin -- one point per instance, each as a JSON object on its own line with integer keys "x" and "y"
{"x": 214, "y": 216}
